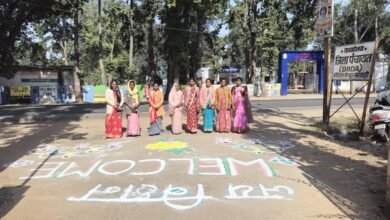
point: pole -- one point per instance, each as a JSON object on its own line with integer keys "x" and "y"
{"x": 327, "y": 81}
{"x": 363, "y": 121}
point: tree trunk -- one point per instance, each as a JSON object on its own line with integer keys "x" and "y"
{"x": 64, "y": 47}
{"x": 101, "y": 63}
{"x": 131, "y": 46}
{"x": 173, "y": 72}
{"x": 110, "y": 75}
{"x": 151, "y": 63}
{"x": 77, "y": 85}
{"x": 247, "y": 47}
{"x": 262, "y": 83}
{"x": 253, "y": 47}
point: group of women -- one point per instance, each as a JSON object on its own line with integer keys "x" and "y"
{"x": 217, "y": 106}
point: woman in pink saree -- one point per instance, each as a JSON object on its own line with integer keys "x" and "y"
{"x": 131, "y": 109}
{"x": 242, "y": 113}
{"x": 176, "y": 102}
{"x": 223, "y": 105}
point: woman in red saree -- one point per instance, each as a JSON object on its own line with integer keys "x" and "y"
{"x": 115, "y": 100}
{"x": 223, "y": 105}
{"x": 192, "y": 106}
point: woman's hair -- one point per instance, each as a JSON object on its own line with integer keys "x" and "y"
{"x": 239, "y": 78}
{"x": 112, "y": 81}
{"x": 223, "y": 79}
{"x": 132, "y": 82}
{"x": 156, "y": 82}
{"x": 191, "y": 79}
{"x": 208, "y": 80}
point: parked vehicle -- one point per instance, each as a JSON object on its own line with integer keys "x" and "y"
{"x": 379, "y": 118}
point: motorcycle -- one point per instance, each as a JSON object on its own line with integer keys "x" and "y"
{"x": 379, "y": 118}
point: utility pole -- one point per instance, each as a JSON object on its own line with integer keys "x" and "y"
{"x": 356, "y": 36}
{"x": 372, "y": 71}
{"x": 327, "y": 83}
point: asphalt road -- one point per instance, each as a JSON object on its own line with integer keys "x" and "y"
{"x": 304, "y": 103}
{"x": 75, "y": 111}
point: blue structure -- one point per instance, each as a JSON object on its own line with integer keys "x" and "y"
{"x": 88, "y": 94}
{"x": 295, "y": 56}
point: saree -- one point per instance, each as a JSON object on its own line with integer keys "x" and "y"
{"x": 223, "y": 103}
{"x": 192, "y": 96}
{"x": 131, "y": 109}
{"x": 156, "y": 112}
{"x": 207, "y": 97}
{"x": 113, "y": 122}
{"x": 176, "y": 103}
{"x": 241, "y": 112}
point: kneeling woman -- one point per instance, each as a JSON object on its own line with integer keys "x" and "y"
{"x": 114, "y": 99}
{"x": 131, "y": 109}
{"x": 156, "y": 109}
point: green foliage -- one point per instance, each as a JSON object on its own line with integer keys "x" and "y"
{"x": 367, "y": 12}
{"x": 275, "y": 25}
{"x": 16, "y": 18}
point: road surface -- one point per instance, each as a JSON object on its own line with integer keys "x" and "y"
{"x": 43, "y": 112}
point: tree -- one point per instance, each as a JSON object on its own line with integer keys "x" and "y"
{"x": 261, "y": 29}
{"x": 15, "y": 18}
{"x": 186, "y": 24}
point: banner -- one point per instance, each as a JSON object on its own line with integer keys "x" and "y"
{"x": 48, "y": 94}
{"x": 20, "y": 91}
{"x": 324, "y": 23}
{"x": 353, "y": 62}
{"x": 99, "y": 94}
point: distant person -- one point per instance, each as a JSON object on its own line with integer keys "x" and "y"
{"x": 115, "y": 100}
{"x": 176, "y": 103}
{"x": 156, "y": 109}
{"x": 242, "y": 113}
{"x": 131, "y": 109}
{"x": 192, "y": 106}
{"x": 207, "y": 98}
{"x": 223, "y": 105}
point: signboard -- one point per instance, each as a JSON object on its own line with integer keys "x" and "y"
{"x": 20, "y": 91}
{"x": 353, "y": 62}
{"x": 39, "y": 80}
{"x": 230, "y": 70}
{"x": 48, "y": 94}
{"x": 324, "y": 23}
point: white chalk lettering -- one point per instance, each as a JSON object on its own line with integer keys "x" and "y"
{"x": 162, "y": 164}
{"x": 171, "y": 196}
{"x": 265, "y": 194}
{"x": 191, "y": 164}
{"x": 234, "y": 171}
{"x": 102, "y": 168}
{"x": 73, "y": 165}
{"x": 216, "y": 163}
{"x": 52, "y": 170}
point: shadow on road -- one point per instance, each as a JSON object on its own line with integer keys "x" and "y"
{"x": 354, "y": 186}
{"x": 40, "y": 131}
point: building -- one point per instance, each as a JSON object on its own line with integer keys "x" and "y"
{"x": 39, "y": 84}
